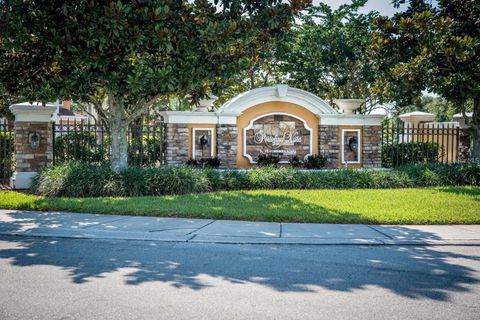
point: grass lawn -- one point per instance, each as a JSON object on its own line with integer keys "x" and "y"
{"x": 395, "y": 206}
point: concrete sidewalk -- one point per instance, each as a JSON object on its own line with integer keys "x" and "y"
{"x": 94, "y": 226}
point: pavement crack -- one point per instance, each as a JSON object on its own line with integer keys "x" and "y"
{"x": 206, "y": 225}
{"x": 382, "y": 233}
{"x": 191, "y": 238}
{"x": 167, "y": 229}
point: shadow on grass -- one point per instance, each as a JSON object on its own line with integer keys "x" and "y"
{"x": 226, "y": 205}
{"x": 471, "y": 191}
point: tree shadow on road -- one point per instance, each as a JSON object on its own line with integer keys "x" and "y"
{"x": 410, "y": 271}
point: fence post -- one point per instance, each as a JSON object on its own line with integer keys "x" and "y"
{"x": 33, "y": 142}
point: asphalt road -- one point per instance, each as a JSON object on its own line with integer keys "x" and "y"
{"x": 53, "y": 278}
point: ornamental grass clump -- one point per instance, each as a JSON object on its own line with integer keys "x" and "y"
{"x": 76, "y": 180}
{"x": 87, "y": 180}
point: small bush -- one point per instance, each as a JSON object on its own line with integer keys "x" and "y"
{"x": 145, "y": 151}
{"x": 79, "y": 146}
{"x": 87, "y": 180}
{"x": 315, "y": 161}
{"x": 267, "y": 160}
{"x": 394, "y": 155}
{"x": 6, "y": 154}
{"x": 204, "y": 162}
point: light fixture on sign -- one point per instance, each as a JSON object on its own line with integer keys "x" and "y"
{"x": 34, "y": 139}
{"x": 352, "y": 144}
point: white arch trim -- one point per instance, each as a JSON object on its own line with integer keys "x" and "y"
{"x": 250, "y": 125}
{"x": 283, "y": 93}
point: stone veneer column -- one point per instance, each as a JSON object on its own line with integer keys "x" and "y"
{"x": 372, "y": 146}
{"x": 328, "y": 144}
{"x": 227, "y": 145}
{"x": 31, "y": 119}
{"x": 176, "y": 143}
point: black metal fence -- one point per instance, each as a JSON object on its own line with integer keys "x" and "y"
{"x": 422, "y": 143}
{"x": 90, "y": 142}
{"x": 6, "y": 149}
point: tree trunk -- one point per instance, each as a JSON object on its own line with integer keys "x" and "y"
{"x": 119, "y": 136}
{"x": 475, "y": 130}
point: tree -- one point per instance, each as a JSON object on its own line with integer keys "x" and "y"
{"x": 261, "y": 70}
{"x": 6, "y": 100}
{"x": 122, "y": 56}
{"x": 327, "y": 54}
{"x": 434, "y": 49}
{"x": 442, "y": 108}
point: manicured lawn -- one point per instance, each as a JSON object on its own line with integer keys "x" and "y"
{"x": 396, "y": 206}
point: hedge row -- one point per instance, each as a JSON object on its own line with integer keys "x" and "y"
{"x": 88, "y": 180}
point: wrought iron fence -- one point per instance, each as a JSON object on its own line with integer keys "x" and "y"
{"x": 423, "y": 143}
{"x": 6, "y": 149}
{"x": 90, "y": 142}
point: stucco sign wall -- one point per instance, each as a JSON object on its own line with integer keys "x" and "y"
{"x": 279, "y": 134}
{"x": 278, "y": 120}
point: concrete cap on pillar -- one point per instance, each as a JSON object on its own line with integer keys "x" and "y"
{"x": 33, "y": 112}
{"x": 417, "y": 117}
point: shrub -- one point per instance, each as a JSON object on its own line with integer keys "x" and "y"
{"x": 267, "y": 160}
{"x": 79, "y": 146}
{"x": 438, "y": 174}
{"x": 273, "y": 178}
{"x": 295, "y": 162}
{"x": 315, "y": 161}
{"x": 394, "y": 155}
{"x": 86, "y": 180}
{"x": 145, "y": 151}
{"x": 6, "y": 154}
{"x": 204, "y": 162}
{"x": 74, "y": 179}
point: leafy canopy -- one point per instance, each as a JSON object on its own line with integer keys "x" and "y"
{"x": 134, "y": 51}
{"x": 327, "y": 54}
{"x": 429, "y": 48}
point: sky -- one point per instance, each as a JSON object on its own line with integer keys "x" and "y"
{"x": 384, "y": 7}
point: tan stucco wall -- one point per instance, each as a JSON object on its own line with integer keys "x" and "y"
{"x": 272, "y": 107}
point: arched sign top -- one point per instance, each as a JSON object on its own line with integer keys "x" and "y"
{"x": 282, "y": 93}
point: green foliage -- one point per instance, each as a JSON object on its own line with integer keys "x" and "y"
{"x": 204, "y": 162}
{"x": 434, "y": 48}
{"x": 79, "y": 146}
{"x": 123, "y": 56}
{"x": 327, "y": 53}
{"x": 434, "y": 205}
{"x": 442, "y": 108}
{"x": 6, "y": 100}
{"x": 146, "y": 151}
{"x": 315, "y": 161}
{"x": 6, "y": 154}
{"x": 76, "y": 179}
{"x": 86, "y": 180}
{"x": 394, "y": 155}
{"x": 267, "y": 160}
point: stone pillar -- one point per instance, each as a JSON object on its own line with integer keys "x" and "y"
{"x": 31, "y": 122}
{"x": 227, "y": 145}
{"x": 372, "y": 146}
{"x": 176, "y": 142}
{"x": 328, "y": 144}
